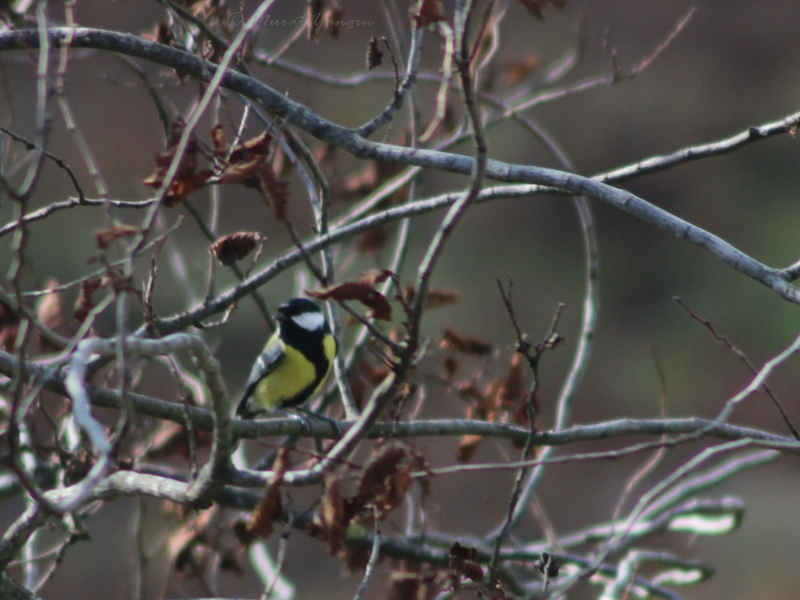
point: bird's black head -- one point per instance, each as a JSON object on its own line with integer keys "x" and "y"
{"x": 302, "y": 313}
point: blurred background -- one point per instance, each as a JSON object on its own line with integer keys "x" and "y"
{"x": 735, "y": 65}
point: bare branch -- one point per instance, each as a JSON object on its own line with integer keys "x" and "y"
{"x": 303, "y": 117}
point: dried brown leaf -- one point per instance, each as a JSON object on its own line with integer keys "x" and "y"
{"x": 375, "y": 276}
{"x": 519, "y": 416}
{"x": 248, "y": 164}
{"x": 442, "y": 298}
{"x": 372, "y": 240}
{"x": 361, "y": 291}
{"x": 84, "y": 303}
{"x": 181, "y": 188}
{"x": 241, "y": 172}
{"x": 333, "y": 19}
{"x": 467, "y": 447}
{"x": 513, "y": 386}
{"x": 255, "y": 146}
{"x": 277, "y": 190}
{"x": 9, "y": 327}
{"x": 450, "y": 367}
{"x": 188, "y": 545}
{"x": 463, "y": 343}
{"x": 464, "y": 561}
{"x": 536, "y": 7}
{"x": 261, "y": 523}
{"x": 416, "y": 586}
{"x": 517, "y": 70}
{"x": 483, "y": 408}
{"x": 333, "y": 522}
{"x": 492, "y": 399}
{"x": 105, "y": 237}
{"x": 186, "y": 165}
{"x": 313, "y": 12}
{"x": 231, "y": 248}
{"x": 387, "y": 476}
{"x": 425, "y": 12}
{"x": 469, "y": 390}
{"x": 408, "y": 294}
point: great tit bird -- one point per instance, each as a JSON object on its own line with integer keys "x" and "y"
{"x": 296, "y": 360}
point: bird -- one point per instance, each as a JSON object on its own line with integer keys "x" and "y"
{"x": 295, "y": 361}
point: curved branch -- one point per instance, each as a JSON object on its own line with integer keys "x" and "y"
{"x": 303, "y": 117}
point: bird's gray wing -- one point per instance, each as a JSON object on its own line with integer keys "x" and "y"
{"x": 264, "y": 365}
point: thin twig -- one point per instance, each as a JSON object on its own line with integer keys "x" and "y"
{"x": 369, "y": 571}
{"x": 60, "y": 163}
{"x": 743, "y": 357}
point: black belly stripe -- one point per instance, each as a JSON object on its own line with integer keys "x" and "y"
{"x": 310, "y": 344}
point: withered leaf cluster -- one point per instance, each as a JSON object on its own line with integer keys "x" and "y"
{"x": 382, "y": 486}
{"x": 245, "y": 163}
{"x": 464, "y": 566}
{"x": 503, "y": 400}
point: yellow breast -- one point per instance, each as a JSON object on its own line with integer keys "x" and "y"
{"x": 290, "y": 378}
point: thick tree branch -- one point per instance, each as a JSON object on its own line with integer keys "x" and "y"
{"x": 325, "y": 130}
{"x": 202, "y": 419}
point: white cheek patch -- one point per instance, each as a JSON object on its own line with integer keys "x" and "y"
{"x": 310, "y": 321}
